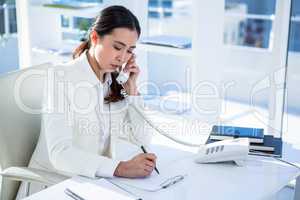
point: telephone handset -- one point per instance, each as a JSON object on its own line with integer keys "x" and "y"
{"x": 123, "y": 76}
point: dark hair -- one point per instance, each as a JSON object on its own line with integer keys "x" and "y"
{"x": 110, "y": 18}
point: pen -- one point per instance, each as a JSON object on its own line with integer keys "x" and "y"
{"x": 144, "y": 150}
{"x": 71, "y": 194}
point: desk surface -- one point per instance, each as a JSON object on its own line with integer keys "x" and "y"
{"x": 260, "y": 178}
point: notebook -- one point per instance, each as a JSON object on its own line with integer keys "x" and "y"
{"x": 275, "y": 142}
{"x": 267, "y": 145}
{"x": 271, "y": 146}
{"x": 166, "y": 157}
{"x": 255, "y": 135}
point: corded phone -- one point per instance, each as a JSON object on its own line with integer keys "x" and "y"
{"x": 228, "y": 150}
{"x": 122, "y": 77}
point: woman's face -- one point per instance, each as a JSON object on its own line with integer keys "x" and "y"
{"x": 115, "y": 49}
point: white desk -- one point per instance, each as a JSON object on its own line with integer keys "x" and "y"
{"x": 259, "y": 179}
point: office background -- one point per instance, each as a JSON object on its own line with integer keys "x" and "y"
{"x": 252, "y": 51}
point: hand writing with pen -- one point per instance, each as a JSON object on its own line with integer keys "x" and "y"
{"x": 139, "y": 166}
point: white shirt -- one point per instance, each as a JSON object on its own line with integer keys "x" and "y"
{"x": 79, "y": 129}
{"x": 103, "y": 90}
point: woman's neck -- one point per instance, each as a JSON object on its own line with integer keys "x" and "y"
{"x": 95, "y": 66}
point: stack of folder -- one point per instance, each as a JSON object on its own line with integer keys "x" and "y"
{"x": 259, "y": 143}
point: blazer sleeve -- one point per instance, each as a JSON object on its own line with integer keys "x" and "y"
{"x": 64, "y": 156}
{"x": 137, "y": 129}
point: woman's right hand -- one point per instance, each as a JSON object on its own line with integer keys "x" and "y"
{"x": 141, "y": 165}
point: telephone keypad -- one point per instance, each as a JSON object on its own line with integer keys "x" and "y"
{"x": 212, "y": 149}
{"x": 222, "y": 148}
{"x": 207, "y": 151}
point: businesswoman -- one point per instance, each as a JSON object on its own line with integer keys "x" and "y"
{"x": 85, "y": 110}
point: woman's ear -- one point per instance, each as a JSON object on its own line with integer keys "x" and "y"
{"x": 94, "y": 38}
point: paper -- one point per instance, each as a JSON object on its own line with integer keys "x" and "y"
{"x": 102, "y": 189}
{"x": 165, "y": 155}
{"x": 165, "y": 163}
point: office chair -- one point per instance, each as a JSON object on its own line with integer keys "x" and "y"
{"x": 19, "y": 130}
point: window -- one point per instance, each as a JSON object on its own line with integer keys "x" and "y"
{"x": 294, "y": 42}
{"x": 8, "y": 19}
{"x": 12, "y": 19}
{"x": 82, "y": 23}
{"x": 165, "y": 15}
{"x": 160, "y": 8}
{"x": 2, "y": 23}
{"x": 249, "y": 23}
{"x": 292, "y": 115}
{"x": 65, "y": 21}
{"x": 75, "y": 28}
{"x": 169, "y": 18}
{"x": 8, "y": 38}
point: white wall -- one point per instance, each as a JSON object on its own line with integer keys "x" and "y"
{"x": 208, "y": 58}
{"x": 37, "y": 26}
{"x": 249, "y": 71}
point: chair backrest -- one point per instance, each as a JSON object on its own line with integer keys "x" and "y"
{"x": 21, "y": 94}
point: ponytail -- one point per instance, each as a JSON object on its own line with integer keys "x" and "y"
{"x": 80, "y": 49}
{"x": 115, "y": 90}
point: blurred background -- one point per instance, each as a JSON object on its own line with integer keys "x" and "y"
{"x": 241, "y": 56}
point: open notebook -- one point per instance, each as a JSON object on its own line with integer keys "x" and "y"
{"x": 153, "y": 183}
{"x": 166, "y": 158}
{"x": 120, "y": 188}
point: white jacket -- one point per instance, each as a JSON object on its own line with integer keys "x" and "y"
{"x": 78, "y": 129}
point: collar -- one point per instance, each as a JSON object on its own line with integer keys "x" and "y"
{"x": 108, "y": 79}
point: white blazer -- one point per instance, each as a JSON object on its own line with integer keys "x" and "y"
{"x": 79, "y": 129}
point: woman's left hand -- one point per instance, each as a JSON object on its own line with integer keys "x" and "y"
{"x": 134, "y": 71}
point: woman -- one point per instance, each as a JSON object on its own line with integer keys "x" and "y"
{"x": 80, "y": 136}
